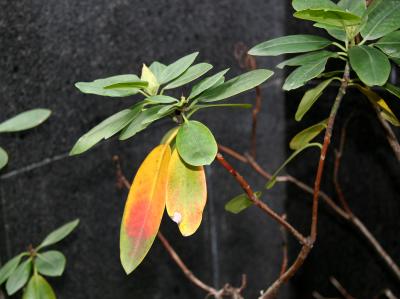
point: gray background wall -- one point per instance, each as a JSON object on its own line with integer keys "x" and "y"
{"x": 46, "y": 46}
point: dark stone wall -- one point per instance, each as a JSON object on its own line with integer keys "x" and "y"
{"x": 47, "y": 46}
{"x": 370, "y": 179}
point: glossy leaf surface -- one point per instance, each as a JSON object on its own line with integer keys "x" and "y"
{"x": 50, "y": 263}
{"x": 240, "y": 203}
{"x": 307, "y": 58}
{"x": 206, "y": 84}
{"x": 304, "y": 137}
{"x": 390, "y": 44}
{"x": 174, "y": 70}
{"x": 191, "y": 74}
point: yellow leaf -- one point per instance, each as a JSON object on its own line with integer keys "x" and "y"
{"x": 144, "y": 208}
{"x": 186, "y": 194}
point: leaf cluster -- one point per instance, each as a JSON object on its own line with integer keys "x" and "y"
{"x": 28, "y": 268}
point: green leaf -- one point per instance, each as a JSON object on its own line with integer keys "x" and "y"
{"x": 165, "y": 110}
{"x": 142, "y": 121}
{"x": 98, "y": 86}
{"x": 127, "y": 85}
{"x": 394, "y": 90}
{"x": 107, "y": 128}
{"x": 310, "y": 97}
{"x": 240, "y": 203}
{"x": 290, "y": 44}
{"x": 383, "y": 18}
{"x": 272, "y": 181}
{"x": 50, "y": 263}
{"x": 307, "y": 58}
{"x": 148, "y": 76}
{"x": 25, "y": 120}
{"x": 207, "y": 83}
{"x": 196, "y": 144}
{"x": 19, "y": 277}
{"x": 3, "y": 158}
{"x": 390, "y": 44}
{"x": 370, "y": 64}
{"x": 192, "y": 73}
{"x": 236, "y": 85}
{"x": 334, "y": 31}
{"x": 336, "y": 17}
{"x": 157, "y": 68}
{"x": 304, "y": 73}
{"x": 161, "y": 99}
{"x": 174, "y": 70}
{"x": 357, "y": 7}
{"x": 59, "y": 234}
{"x": 313, "y": 4}
{"x": 9, "y": 267}
{"x": 38, "y": 288}
{"x": 304, "y": 137}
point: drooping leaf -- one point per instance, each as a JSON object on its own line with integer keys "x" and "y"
{"x": 98, "y": 86}
{"x": 142, "y": 121}
{"x": 59, "y": 234}
{"x": 307, "y": 58}
{"x": 186, "y": 194}
{"x": 304, "y": 73}
{"x": 334, "y": 31}
{"x": 240, "y": 203}
{"x": 290, "y": 44}
{"x": 174, "y": 70}
{"x": 335, "y": 17}
{"x": 19, "y": 277}
{"x": 310, "y": 97}
{"x": 157, "y": 68}
{"x": 3, "y": 159}
{"x": 191, "y": 74}
{"x": 144, "y": 208}
{"x": 148, "y": 76}
{"x": 206, "y": 84}
{"x": 25, "y": 120}
{"x": 390, "y": 44}
{"x": 304, "y": 137}
{"x": 196, "y": 144}
{"x": 383, "y": 18}
{"x": 235, "y": 86}
{"x": 394, "y": 90}
{"x": 162, "y": 99}
{"x": 50, "y": 263}
{"x": 272, "y": 181}
{"x": 8, "y": 268}
{"x": 106, "y": 129}
{"x": 370, "y": 64}
{"x": 38, "y": 288}
{"x": 378, "y": 101}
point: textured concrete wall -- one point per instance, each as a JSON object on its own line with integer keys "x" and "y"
{"x": 46, "y": 46}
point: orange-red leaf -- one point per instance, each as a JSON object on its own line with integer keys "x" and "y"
{"x": 186, "y": 194}
{"x": 144, "y": 208}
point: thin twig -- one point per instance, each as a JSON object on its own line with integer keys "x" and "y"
{"x": 284, "y": 250}
{"x": 263, "y": 206}
{"x": 248, "y": 62}
{"x": 390, "y": 135}
{"x": 340, "y": 288}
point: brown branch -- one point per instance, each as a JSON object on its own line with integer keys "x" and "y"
{"x": 390, "y": 135}
{"x": 263, "y": 206}
{"x": 226, "y": 291}
{"x": 340, "y": 288}
{"x": 284, "y": 250}
{"x": 248, "y": 62}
